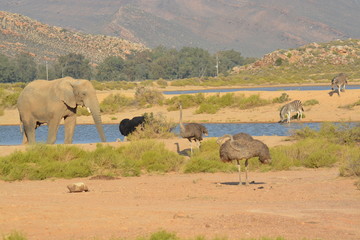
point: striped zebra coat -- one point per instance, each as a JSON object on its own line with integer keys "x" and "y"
{"x": 287, "y": 109}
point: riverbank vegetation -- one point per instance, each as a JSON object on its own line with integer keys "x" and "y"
{"x": 332, "y": 145}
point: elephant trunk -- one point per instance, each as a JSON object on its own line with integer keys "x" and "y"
{"x": 95, "y": 112}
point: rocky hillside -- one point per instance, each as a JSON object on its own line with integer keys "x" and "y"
{"x": 340, "y": 52}
{"x": 253, "y": 28}
{"x": 22, "y": 34}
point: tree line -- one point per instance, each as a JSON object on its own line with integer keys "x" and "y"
{"x": 157, "y": 63}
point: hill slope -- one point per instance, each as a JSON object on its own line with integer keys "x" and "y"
{"x": 22, "y": 34}
{"x": 252, "y": 27}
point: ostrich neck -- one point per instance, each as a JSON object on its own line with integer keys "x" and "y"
{"x": 182, "y": 128}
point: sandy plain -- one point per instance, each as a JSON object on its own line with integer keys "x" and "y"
{"x": 296, "y": 204}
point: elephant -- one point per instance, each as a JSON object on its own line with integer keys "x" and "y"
{"x": 43, "y": 101}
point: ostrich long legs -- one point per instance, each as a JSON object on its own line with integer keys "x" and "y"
{"x": 246, "y": 170}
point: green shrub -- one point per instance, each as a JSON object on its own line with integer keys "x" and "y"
{"x": 115, "y": 103}
{"x": 147, "y": 96}
{"x": 338, "y": 133}
{"x": 62, "y": 161}
{"x": 186, "y": 101}
{"x": 310, "y": 102}
{"x": 44, "y": 161}
{"x": 14, "y": 236}
{"x": 283, "y": 98}
{"x": 208, "y": 108}
{"x": 351, "y": 164}
{"x": 207, "y": 160}
{"x": 155, "y": 126}
{"x": 311, "y": 153}
{"x": 162, "y": 83}
{"x": 250, "y": 102}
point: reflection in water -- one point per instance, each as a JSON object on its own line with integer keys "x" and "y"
{"x": 10, "y": 135}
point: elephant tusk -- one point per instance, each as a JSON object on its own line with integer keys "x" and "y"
{"x": 88, "y": 110}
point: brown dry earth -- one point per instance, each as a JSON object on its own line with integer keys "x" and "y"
{"x": 312, "y": 204}
{"x": 295, "y": 204}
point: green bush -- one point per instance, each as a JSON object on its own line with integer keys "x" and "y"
{"x": 338, "y": 133}
{"x": 311, "y": 102}
{"x": 115, "y": 103}
{"x": 44, "y": 161}
{"x": 186, "y": 101}
{"x": 207, "y": 159}
{"x": 14, "y": 236}
{"x": 147, "y": 96}
{"x": 62, "y": 161}
{"x": 351, "y": 163}
{"x": 162, "y": 83}
{"x": 155, "y": 126}
{"x": 283, "y": 98}
{"x": 311, "y": 153}
{"x": 250, "y": 102}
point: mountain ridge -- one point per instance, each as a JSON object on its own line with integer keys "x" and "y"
{"x": 21, "y": 34}
{"x": 253, "y": 28}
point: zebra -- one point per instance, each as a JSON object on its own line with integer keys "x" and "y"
{"x": 294, "y": 106}
{"x": 340, "y": 82}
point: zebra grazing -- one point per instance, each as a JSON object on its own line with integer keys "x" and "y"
{"x": 340, "y": 81}
{"x": 294, "y": 106}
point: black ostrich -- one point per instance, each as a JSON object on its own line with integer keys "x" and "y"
{"x": 192, "y": 131}
{"x": 240, "y": 149}
{"x": 128, "y": 126}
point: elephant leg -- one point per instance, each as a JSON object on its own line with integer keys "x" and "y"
{"x": 70, "y": 123}
{"x": 29, "y": 132}
{"x": 53, "y": 127}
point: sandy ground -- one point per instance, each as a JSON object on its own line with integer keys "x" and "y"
{"x": 311, "y": 204}
{"x": 294, "y": 204}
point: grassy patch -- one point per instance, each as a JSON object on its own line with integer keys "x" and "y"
{"x": 342, "y": 133}
{"x": 351, "y": 105}
{"x": 60, "y": 161}
{"x": 310, "y": 102}
{"x": 212, "y": 104}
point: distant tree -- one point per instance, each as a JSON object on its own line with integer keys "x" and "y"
{"x": 165, "y": 63}
{"x": 7, "y": 70}
{"x": 73, "y": 65}
{"x": 195, "y": 62}
{"x": 25, "y": 67}
{"x": 138, "y": 65}
{"x": 229, "y": 59}
{"x": 111, "y": 69}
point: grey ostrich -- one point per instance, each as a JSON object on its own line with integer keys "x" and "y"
{"x": 240, "y": 149}
{"x": 242, "y": 136}
{"x": 192, "y": 131}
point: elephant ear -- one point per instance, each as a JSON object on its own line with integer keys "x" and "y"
{"x": 65, "y": 92}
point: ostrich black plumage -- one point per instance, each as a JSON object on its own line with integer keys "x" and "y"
{"x": 127, "y": 126}
{"x": 192, "y": 131}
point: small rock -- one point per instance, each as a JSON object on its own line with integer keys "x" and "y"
{"x": 77, "y": 187}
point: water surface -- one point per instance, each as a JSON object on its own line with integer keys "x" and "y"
{"x": 10, "y": 135}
